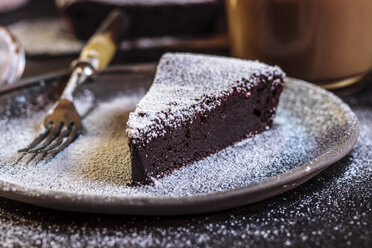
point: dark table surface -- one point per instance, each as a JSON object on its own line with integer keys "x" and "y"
{"x": 333, "y": 209}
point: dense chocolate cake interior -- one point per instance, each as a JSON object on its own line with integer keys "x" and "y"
{"x": 197, "y": 106}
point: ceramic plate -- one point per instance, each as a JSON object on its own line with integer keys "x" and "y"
{"x": 312, "y": 129}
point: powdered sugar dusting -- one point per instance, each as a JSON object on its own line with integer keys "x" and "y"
{"x": 332, "y": 210}
{"x": 98, "y": 161}
{"x": 193, "y": 80}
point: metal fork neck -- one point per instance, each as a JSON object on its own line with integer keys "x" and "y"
{"x": 82, "y": 71}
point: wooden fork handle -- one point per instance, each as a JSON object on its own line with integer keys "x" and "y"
{"x": 101, "y": 47}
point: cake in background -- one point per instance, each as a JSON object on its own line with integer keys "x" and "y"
{"x": 147, "y": 18}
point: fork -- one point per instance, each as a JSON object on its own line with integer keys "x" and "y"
{"x": 63, "y": 123}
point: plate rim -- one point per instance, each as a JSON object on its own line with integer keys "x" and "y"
{"x": 180, "y": 205}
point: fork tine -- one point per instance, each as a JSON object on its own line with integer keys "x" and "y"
{"x": 36, "y": 141}
{"x": 70, "y": 138}
{"x": 51, "y": 136}
{"x": 57, "y": 141}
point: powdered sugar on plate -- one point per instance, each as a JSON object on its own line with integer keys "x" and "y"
{"x": 332, "y": 210}
{"x": 307, "y": 124}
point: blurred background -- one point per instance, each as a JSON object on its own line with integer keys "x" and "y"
{"x": 327, "y": 43}
{"x": 53, "y": 32}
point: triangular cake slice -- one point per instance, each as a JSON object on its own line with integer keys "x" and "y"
{"x": 198, "y": 105}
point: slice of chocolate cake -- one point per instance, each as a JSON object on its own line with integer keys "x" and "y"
{"x": 197, "y": 106}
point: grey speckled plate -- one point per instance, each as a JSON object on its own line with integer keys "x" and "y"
{"x": 312, "y": 130}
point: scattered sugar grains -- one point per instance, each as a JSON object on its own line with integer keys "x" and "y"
{"x": 332, "y": 210}
{"x": 98, "y": 161}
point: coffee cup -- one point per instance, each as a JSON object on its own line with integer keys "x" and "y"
{"x": 328, "y": 42}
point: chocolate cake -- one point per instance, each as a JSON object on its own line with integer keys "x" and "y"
{"x": 147, "y": 18}
{"x": 198, "y": 105}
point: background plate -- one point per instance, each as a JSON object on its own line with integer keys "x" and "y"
{"x": 312, "y": 130}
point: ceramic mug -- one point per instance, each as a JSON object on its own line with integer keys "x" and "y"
{"x": 321, "y": 41}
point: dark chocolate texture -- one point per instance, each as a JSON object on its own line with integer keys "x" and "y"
{"x": 170, "y": 138}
